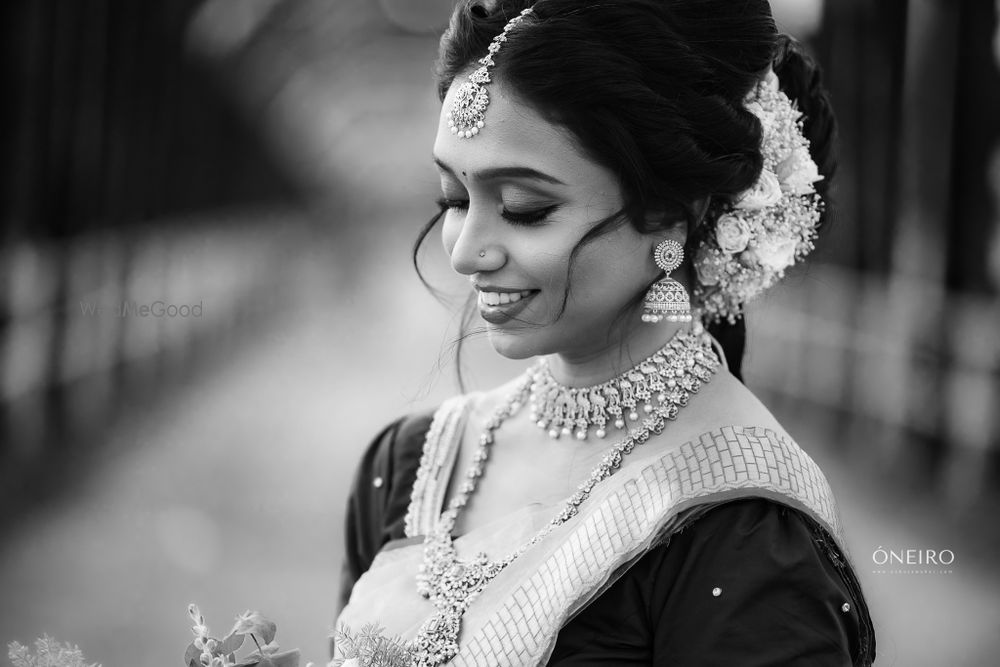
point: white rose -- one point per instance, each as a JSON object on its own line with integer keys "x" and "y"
{"x": 772, "y": 253}
{"x": 707, "y": 267}
{"x": 732, "y": 233}
{"x": 765, "y": 192}
{"x": 771, "y": 81}
{"x": 798, "y": 172}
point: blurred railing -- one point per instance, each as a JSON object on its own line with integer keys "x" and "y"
{"x": 92, "y": 326}
{"x": 911, "y": 368}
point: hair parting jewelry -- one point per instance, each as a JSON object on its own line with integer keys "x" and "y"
{"x": 467, "y": 114}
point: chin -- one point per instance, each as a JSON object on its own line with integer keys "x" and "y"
{"x": 514, "y": 345}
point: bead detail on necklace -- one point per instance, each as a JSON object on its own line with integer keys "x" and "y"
{"x": 451, "y": 583}
{"x": 652, "y": 384}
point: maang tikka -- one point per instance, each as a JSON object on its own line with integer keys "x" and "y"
{"x": 667, "y": 299}
{"x": 468, "y": 112}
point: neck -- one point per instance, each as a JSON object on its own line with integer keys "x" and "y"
{"x": 618, "y": 354}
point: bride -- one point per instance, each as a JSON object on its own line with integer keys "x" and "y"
{"x": 614, "y": 176}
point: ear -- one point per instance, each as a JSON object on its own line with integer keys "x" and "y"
{"x": 699, "y": 209}
{"x": 677, "y": 223}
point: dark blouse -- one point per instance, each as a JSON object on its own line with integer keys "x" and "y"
{"x": 749, "y": 583}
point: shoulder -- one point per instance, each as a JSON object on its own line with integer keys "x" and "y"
{"x": 750, "y": 582}
{"x": 726, "y": 401}
{"x": 754, "y": 574}
{"x": 728, "y": 541}
{"x": 390, "y": 462}
{"x": 393, "y": 451}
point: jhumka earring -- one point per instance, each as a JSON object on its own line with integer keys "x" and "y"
{"x": 667, "y": 299}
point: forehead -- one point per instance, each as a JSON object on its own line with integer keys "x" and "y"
{"x": 515, "y": 134}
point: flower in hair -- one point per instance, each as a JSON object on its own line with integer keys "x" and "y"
{"x": 771, "y": 225}
{"x": 732, "y": 233}
{"x": 798, "y": 172}
{"x": 765, "y": 192}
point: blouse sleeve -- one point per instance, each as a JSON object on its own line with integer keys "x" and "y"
{"x": 379, "y": 496}
{"x": 750, "y": 583}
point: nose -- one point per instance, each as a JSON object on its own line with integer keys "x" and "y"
{"x": 472, "y": 243}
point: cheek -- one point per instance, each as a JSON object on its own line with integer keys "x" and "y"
{"x": 451, "y": 227}
{"x": 609, "y": 276}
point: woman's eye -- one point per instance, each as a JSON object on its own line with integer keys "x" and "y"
{"x": 444, "y": 203}
{"x": 527, "y": 217}
{"x": 532, "y": 217}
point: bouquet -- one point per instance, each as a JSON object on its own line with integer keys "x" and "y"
{"x": 48, "y": 653}
{"x": 368, "y": 648}
{"x": 208, "y": 651}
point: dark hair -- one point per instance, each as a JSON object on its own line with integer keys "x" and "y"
{"x": 653, "y": 90}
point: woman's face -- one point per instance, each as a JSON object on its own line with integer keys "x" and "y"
{"x": 520, "y": 196}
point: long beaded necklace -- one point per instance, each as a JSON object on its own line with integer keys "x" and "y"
{"x": 452, "y": 584}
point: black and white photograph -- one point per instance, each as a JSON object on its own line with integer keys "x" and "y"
{"x": 500, "y": 333}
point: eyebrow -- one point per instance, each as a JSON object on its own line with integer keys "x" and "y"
{"x": 494, "y": 173}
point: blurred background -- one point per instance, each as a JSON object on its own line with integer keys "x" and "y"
{"x": 208, "y": 308}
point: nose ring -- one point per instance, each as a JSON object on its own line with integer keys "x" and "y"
{"x": 482, "y": 253}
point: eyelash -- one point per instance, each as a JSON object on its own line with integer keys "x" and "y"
{"x": 529, "y": 218}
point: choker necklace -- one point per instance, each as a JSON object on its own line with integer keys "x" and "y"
{"x": 653, "y": 383}
{"x": 452, "y": 584}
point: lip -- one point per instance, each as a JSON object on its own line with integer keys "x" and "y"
{"x": 504, "y": 312}
{"x": 494, "y": 288}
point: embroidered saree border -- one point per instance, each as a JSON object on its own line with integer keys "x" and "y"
{"x": 436, "y": 463}
{"x": 725, "y": 464}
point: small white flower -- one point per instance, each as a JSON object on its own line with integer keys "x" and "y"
{"x": 757, "y": 110}
{"x": 775, "y": 254}
{"x": 751, "y": 286}
{"x": 797, "y": 172}
{"x": 765, "y": 192}
{"x": 732, "y": 233}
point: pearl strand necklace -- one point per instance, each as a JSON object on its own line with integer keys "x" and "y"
{"x": 451, "y": 583}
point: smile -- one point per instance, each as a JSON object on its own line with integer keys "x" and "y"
{"x": 500, "y": 307}
{"x": 502, "y": 298}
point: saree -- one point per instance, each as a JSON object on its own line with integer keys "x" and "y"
{"x": 655, "y": 495}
